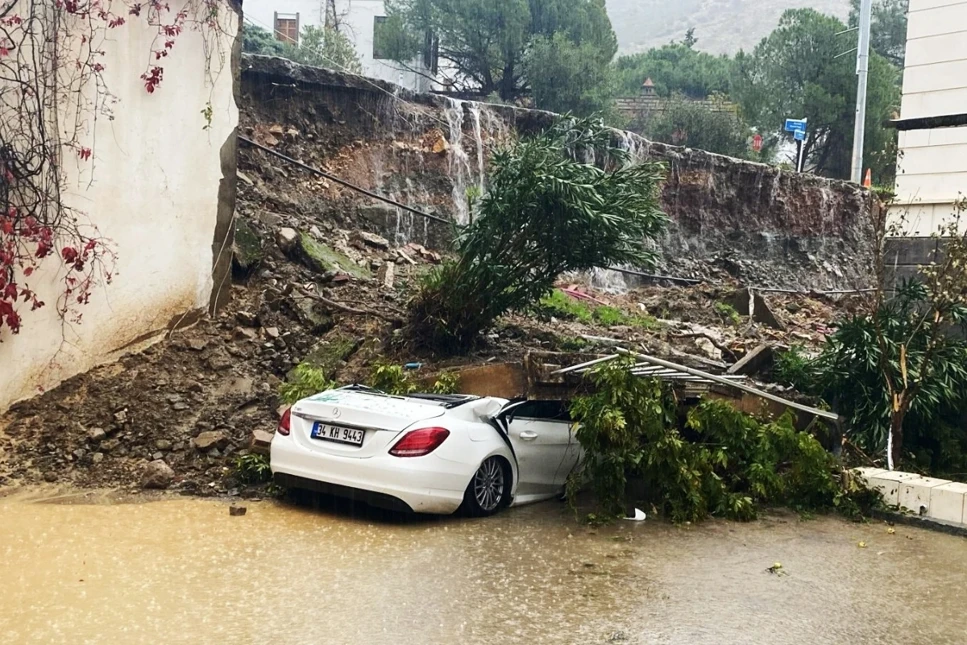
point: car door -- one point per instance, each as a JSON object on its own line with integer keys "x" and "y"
{"x": 544, "y": 444}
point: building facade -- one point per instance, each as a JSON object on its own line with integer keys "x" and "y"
{"x": 359, "y": 20}
{"x": 932, "y": 163}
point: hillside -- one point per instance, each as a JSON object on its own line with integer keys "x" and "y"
{"x": 721, "y": 26}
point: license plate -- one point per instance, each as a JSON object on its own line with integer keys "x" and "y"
{"x": 335, "y": 433}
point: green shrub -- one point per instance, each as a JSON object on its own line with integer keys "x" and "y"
{"x": 446, "y": 383}
{"x": 558, "y": 304}
{"x": 304, "y": 381}
{"x": 610, "y": 316}
{"x": 727, "y": 312}
{"x": 252, "y": 469}
{"x": 796, "y": 369}
{"x": 720, "y": 463}
{"x": 391, "y": 379}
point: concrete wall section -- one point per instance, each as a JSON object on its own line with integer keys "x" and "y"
{"x": 937, "y": 500}
{"x": 152, "y": 189}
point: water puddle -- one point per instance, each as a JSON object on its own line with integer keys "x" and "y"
{"x": 184, "y": 571}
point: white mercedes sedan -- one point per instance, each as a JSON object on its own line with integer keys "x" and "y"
{"x": 426, "y": 453}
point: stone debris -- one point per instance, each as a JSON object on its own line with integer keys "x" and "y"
{"x": 210, "y": 439}
{"x": 157, "y": 474}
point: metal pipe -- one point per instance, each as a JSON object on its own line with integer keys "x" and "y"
{"x": 740, "y": 386}
{"x": 342, "y": 182}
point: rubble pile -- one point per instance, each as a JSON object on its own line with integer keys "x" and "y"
{"x": 317, "y": 278}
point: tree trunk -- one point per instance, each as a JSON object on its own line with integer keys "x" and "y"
{"x": 508, "y": 88}
{"x": 896, "y": 434}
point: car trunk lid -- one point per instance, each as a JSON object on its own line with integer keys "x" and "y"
{"x": 378, "y": 416}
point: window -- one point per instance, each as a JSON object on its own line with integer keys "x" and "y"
{"x": 543, "y": 410}
{"x": 287, "y": 27}
{"x": 380, "y": 36}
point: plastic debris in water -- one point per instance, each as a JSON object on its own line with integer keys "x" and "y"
{"x": 639, "y": 516}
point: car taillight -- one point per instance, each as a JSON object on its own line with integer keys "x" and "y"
{"x": 419, "y": 442}
{"x": 284, "y": 422}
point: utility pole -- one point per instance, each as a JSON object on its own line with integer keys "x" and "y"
{"x": 862, "y": 70}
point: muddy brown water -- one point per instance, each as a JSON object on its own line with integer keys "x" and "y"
{"x": 184, "y": 571}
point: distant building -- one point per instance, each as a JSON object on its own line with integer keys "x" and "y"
{"x": 638, "y": 110}
{"x": 932, "y": 163}
{"x": 359, "y": 20}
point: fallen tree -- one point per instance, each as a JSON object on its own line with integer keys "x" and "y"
{"x": 564, "y": 200}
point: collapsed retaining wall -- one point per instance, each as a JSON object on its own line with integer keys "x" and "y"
{"x": 764, "y": 225}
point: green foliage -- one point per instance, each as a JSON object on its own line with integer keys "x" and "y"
{"x": 256, "y": 40}
{"x": 794, "y": 368}
{"x": 547, "y": 211}
{"x": 573, "y": 344}
{"x": 849, "y": 374}
{"x": 727, "y": 312}
{"x": 558, "y": 304}
{"x": 252, "y": 469}
{"x": 446, "y": 383}
{"x": 795, "y": 72}
{"x": 689, "y": 123}
{"x": 610, "y": 316}
{"x": 325, "y": 47}
{"x": 486, "y": 41}
{"x": 391, "y": 379}
{"x": 565, "y": 76}
{"x": 722, "y": 462}
{"x": 318, "y": 46}
{"x": 888, "y": 30}
{"x": 674, "y": 68}
{"x": 304, "y": 381}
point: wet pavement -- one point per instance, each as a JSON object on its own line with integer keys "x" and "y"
{"x": 184, "y": 571}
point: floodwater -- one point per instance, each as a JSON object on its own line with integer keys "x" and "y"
{"x": 184, "y": 571}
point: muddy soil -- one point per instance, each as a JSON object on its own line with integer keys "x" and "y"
{"x": 185, "y": 571}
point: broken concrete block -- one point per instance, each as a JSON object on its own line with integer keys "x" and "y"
{"x": 365, "y": 238}
{"x": 323, "y": 258}
{"x": 708, "y": 348}
{"x": 287, "y": 239}
{"x": 260, "y": 441}
{"x": 748, "y": 302}
{"x": 210, "y": 439}
{"x": 756, "y": 361}
{"x": 387, "y": 275}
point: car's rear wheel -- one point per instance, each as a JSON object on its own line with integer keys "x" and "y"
{"x": 489, "y": 488}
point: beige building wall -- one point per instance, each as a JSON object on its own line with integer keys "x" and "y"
{"x": 932, "y": 164}
{"x": 152, "y": 188}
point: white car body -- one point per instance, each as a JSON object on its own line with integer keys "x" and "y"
{"x": 540, "y": 451}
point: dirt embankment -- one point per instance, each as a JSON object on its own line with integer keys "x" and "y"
{"x": 313, "y": 279}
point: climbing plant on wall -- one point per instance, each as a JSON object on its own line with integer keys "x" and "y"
{"x": 53, "y": 90}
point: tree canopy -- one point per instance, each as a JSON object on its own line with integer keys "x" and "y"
{"x": 318, "y": 46}
{"x": 690, "y": 123}
{"x": 483, "y": 45}
{"x": 888, "y": 30}
{"x": 675, "y": 67}
{"x": 795, "y": 72}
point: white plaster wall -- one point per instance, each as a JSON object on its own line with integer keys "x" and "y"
{"x": 932, "y": 164}
{"x": 152, "y": 189}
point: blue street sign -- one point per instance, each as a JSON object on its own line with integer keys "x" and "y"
{"x": 799, "y": 135}
{"x": 795, "y": 125}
